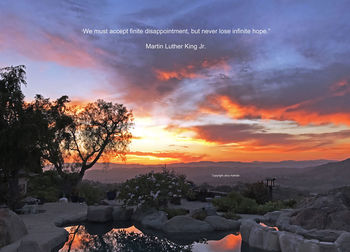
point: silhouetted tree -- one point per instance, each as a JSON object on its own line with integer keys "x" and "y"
{"x": 74, "y": 139}
{"x": 100, "y": 130}
{"x": 18, "y": 133}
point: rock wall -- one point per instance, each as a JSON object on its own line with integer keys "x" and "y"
{"x": 12, "y": 227}
{"x": 270, "y": 239}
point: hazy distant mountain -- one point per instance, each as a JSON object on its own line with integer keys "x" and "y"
{"x": 288, "y": 173}
{"x": 323, "y": 177}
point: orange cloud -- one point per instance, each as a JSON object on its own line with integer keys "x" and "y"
{"x": 184, "y": 73}
{"x": 157, "y": 157}
{"x": 192, "y": 71}
{"x": 340, "y": 88}
{"x": 291, "y": 113}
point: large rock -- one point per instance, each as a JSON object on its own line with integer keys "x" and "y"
{"x": 221, "y": 223}
{"x": 256, "y": 238}
{"x": 155, "y": 220}
{"x": 66, "y": 220}
{"x": 29, "y": 246}
{"x": 122, "y": 213}
{"x": 322, "y": 235}
{"x": 141, "y": 213}
{"x": 329, "y": 211}
{"x": 271, "y": 218}
{"x": 186, "y": 224}
{"x": 245, "y": 228}
{"x": 270, "y": 240}
{"x": 290, "y": 242}
{"x": 210, "y": 211}
{"x": 99, "y": 213}
{"x": 283, "y": 221}
{"x": 12, "y": 227}
{"x": 309, "y": 246}
{"x": 343, "y": 242}
{"x": 328, "y": 247}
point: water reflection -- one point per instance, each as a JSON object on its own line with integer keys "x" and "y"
{"x": 118, "y": 239}
{"x": 230, "y": 243}
{"x": 127, "y": 237}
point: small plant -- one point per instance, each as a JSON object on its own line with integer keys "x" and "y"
{"x": 172, "y": 212}
{"x": 200, "y": 214}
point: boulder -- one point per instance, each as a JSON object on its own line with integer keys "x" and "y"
{"x": 245, "y": 228}
{"x": 186, "y": 224}
{"x": 64, "y": 220}
{"x": 256, "y": 238}
{"x": 122, "y": 213}
{"x": 328, "y": 247}
{"x": 271, "y": 217}
{"x": 343, "y": 242}
{"x": 221, "y": 223}
{"x": 328, "y": 211}
{"x": 12, "y": 227}
{"x": 283, "y": 220}
{"x": 155, "y": 220}
{"x": 309, "y": 246}
{"x": 99, "y": 213}
{"x": 325, "y": 235}
{"x": 210, "y": 211}
{"x": 29, "y": 246}
{"x": 107, "y": 202}
{"x": 140, "y": 213}
{"x": 270, "y": 240}
{"x": 290, "y": 242}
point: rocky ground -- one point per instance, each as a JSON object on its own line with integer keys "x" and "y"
{"x": 40, "y": 232}
{"x": 320, "y": 223}
{"x": 327, "y": 211}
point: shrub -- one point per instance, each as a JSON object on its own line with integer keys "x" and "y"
{"x": 248, "y": 206}
{"x": 153, "y": 189}
{"x": 231, "y": 201}
{"x": 45, "y": 187}
{"x": 236, "y": 203}
{"x": 200, "y": 214}
{"x": 257, "y": 191}
{"x": 172, "y": 212}
{"x": 92, "y": 192}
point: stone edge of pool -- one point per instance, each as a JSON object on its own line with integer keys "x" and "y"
{"x": 45, "y": 230}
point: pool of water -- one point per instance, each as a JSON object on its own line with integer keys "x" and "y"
{"x": 128, "y": 237}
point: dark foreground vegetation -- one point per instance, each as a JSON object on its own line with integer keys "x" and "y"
{"x": 71, "y": 139}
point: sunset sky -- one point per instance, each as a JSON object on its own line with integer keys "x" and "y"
{"x": 279, "y": 96}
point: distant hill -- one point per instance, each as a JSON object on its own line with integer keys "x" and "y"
{"x": 314, "y": 175}
{"x": 323, "y": 177}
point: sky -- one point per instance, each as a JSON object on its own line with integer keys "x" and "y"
{"x": 283, "y": 95}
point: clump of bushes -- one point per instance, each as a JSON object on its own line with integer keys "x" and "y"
{"x": 45, "y": 187}
{"x": 91, "y": 192}
{"x": 257, "y": 191}
{"x": 154, "y": 189}
{"x": 236, "y": 203}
